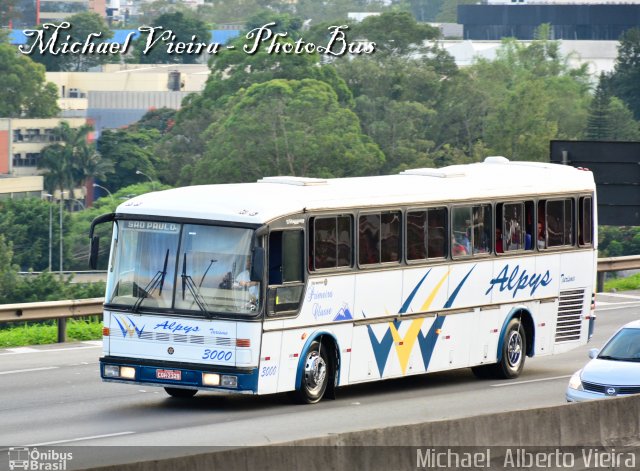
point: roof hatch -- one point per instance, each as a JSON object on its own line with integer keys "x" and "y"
{"x": 299, "y": 181}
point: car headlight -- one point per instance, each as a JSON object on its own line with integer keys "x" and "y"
{"x": 575, "y": 383}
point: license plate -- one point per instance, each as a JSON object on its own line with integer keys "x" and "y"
{"x": 175, "y": 375}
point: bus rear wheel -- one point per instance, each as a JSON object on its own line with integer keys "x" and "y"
{"x": 514, "y": 348}
{"x": 181, "y": 393}
{"x": 317, "y": 370}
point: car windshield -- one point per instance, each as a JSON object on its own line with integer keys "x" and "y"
{"x": 624, "y": 346}
{"x": 190, "y": 267}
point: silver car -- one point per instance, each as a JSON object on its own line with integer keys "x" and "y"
{"x": 613, "y": 371}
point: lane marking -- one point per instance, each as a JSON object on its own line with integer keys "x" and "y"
{"x": 93, "y": 437}
{"x": 33, "y": 350}
{"x": 29, "y": 370}
{"x": 22, "y": 350}
{"x": 530, "y": 381}
{"x": 95, "y": 343}
{"x": 620, "y": 295}
{"x": 618, "y": 306}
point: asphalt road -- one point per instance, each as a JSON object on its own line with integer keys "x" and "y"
{"x": 52, "y": 396}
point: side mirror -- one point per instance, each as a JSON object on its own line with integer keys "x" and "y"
{"x": 257, "y": 264}
{"x": 593, "y": 353}
{"x": 93, "y": 252}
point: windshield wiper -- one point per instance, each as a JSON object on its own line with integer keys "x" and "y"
{"x": 157, "y": 280}
{"x": 187, "y": 282}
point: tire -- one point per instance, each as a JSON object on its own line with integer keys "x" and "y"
{"x": 181, "y": 393}
{"x": 514, "y": 347}
{"x": 317, "y": 369}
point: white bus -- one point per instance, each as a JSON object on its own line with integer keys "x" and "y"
{"x": 303, "y": 285}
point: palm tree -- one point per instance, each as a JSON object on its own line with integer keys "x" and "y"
{"x": 72, "y": 160}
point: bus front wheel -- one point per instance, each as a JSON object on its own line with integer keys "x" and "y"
{"x": 315, "y": 374}
{"x": 181, "y": 393}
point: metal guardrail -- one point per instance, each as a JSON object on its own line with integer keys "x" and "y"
{"x": 73, "y": 308}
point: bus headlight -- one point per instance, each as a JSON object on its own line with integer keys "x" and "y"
{"x": 112, "y": 371}
{"x": 115, "y": 371}
{"x": 230, "y": 381}
{"x": 575, "y": 383}
{"x": 127, "y": 372}
{"x": 210, "y": 379}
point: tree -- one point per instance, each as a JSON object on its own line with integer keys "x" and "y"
{"x": 25, "y": 223}
{"x": 395, "y": 32}
{"x": 609, "y": 118}
{"x": 529, "y": 95}
{"x": 292, "y": 127}
{"x": 626, "y": 74}
{"x": 8, "y": 271}
{"x": 131, "y": 150}
{"x": 184, "y": 144}
{"x": 82, "y": 25}
{"x": 184, "y": 25}
{"x": 598, "y": 124}
{"x": 23, "y": 89}
{"x": 72, "y": 160}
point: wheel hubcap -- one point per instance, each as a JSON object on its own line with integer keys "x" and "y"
{"x": 315, "y": 371}
{"x": 514, "y": 349}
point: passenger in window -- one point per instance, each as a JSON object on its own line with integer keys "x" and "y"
{"x": 499, "y": 247}
{"x": 457, "y": 248}
{"x": 541, "y": 239}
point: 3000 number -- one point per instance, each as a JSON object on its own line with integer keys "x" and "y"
{"x": 268, "y": 371}
{"x": 217, "y": 355}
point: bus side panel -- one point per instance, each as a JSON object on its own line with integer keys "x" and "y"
{"x": 270, "y": 362}
{"x": 293, "y": 352}
{"x": 454, "y": 340}
{"x": 469, "y": 285}
{"x": 379, "y": 294}
{"x": 485, "y": 335}
{"x": 326, "y": 300}
{"x": 515, "y": 280}
{"x": 576, "y": 287}
{"x": 544, "y": 322}
{"x": 424, "y": 289}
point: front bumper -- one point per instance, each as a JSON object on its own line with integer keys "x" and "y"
{"x": 191, "y": 375}
{"x": 574, "y": 395}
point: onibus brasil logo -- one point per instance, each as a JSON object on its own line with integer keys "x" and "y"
{"x": 35, "y": 460}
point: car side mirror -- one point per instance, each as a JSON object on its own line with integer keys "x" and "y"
{"x": 93, "y": 252}
{"x": 593, "y": 353}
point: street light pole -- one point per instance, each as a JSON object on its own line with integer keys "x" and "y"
{"x": 62, "y": 193}
{"x": 50, "y": 198}
{"x": 95, "y": 185}
{"x": 138, "y": 172}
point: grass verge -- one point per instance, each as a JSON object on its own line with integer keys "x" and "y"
{"x": 623, "y": 284}
{"x": 47, "y": 332}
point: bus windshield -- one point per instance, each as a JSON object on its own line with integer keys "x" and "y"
{"x": 182, "y": 267}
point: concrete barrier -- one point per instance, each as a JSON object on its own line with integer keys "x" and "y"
{"x": 605, "y": 423}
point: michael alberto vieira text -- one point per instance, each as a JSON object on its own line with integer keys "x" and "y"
{"x": 264, "y": 36}
{"x": 521, "y": 458}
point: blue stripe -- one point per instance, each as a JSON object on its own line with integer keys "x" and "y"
{"x": 428, "y": 342}
{"x": 382, "y": 349}
{"x": 454, "y": 295}
{"x": 407, "y": 303}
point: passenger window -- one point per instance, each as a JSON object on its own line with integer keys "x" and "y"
{"x": 332, "y": 242}
{"x": 557, "y": 222}
{"x": 585, "y": 226}
{"x": 471, "y": 230}
{"x": 426, "y": 234}
{"x": 379, "y": 238}
{"x": 286, "y": 272}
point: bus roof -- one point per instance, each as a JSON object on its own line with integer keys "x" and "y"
{"x": 273, "y": 197}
